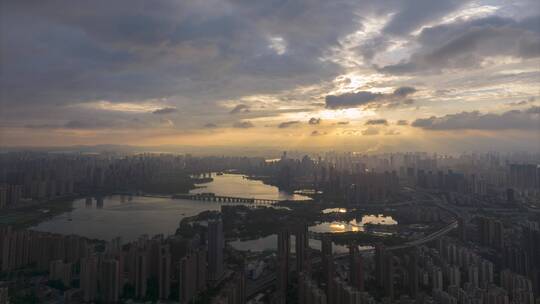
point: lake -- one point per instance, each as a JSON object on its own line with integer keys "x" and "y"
{"x": 270, "y": 242}
{"x": 129, "y": 218}
{"x": 353, "y": 225}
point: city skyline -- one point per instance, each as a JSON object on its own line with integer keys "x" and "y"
{"x": 337, "y": 228}
{"x": 362, "y": 76}
{"x": 270, "y": 152}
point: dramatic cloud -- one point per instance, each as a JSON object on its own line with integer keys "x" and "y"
{"x": 464, "y": 45}
{"x": 415, "y": 13}
{"x": 165, "y": 111}
{"x": 241, "y": 108}
{"x": 94, "y": 71}
{"x": 243, "y": 125}
{"x": 524, "y": 120}
{"x": 288, "y": 124}
{"x": 351, "y": 100}
{"x": 135, "y": 50}
{"x": 377, "y": 122}
{"x": 314, "y": 121}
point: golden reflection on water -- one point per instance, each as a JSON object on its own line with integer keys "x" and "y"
{"x": 353, "y": 225}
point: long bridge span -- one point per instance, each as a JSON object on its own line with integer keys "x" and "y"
{"x": 211, "y": 197}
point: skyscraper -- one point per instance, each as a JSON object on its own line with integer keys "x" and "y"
{"x": 413, "y": 273}
{"x": 356, "y": 271}
{"x": 215, "y": 249}
{"x": 140, "y": 273}
{"x": 61, "y": 271}
{"x": 164, "y": 272}
{"x": 201, "y": 268}
{"x": 389, "y": 275}
{"x": 301, "y": 246}
{"x": 88, "y": 278}
{"x": 283, "y": 262}
{"x": 187, "y": 278}
{"x": 380, "y": 253}
{"x": 110, "y": 281}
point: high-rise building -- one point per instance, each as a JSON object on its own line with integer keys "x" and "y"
{"x": 140, "y": 273}
{"x": 110, "y": 280}
{"x": 88, "y": 278}
{"x": 437, "y": 279}
{"x": 61, "y": 271}
{"x": 326, "y": 247}
{"x": 187, "y": 278}
{"x": 356, "y": 268}
{"x": 302, "y": 247}
{"x": 201, "y": 268}
{"x": 309, "y": 292}
{"x": 284, "y": 249}
{"x": 380, "y": 253}
{"x": 233, "y": 291}
{"x": 413, "y": 273}
{"x": 164, "y": 272}
{"x": 454, "y": 276}
{"x": 491, "y": 232}
{"x": 388, "y": 281}
{"x": 216, "y": 243}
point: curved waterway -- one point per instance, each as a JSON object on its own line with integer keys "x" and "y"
{"x": 130, "y": 217}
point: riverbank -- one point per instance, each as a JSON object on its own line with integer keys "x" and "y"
{"x": 28, "y": 216}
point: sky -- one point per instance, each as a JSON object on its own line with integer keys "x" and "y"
{"x": 366, "y": 76}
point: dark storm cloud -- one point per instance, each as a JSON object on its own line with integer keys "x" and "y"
{"x": 163, "y": 111}
{"x": 288, "y": 124}
{"x": 243, "y": 125}
{"x": 61, "y": 52}
{"x": 465, "y": 44}
{"x": 351, "y": 100}
{"x": 523, "y": 120}
{"x": 408, "y": 16}
{"x": 241, "y": 108}
{"x": 377, "y": 122}
{"x": 414, "y": 13}
{"x": 314, "y": 121}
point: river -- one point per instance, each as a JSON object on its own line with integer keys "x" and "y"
{"x": 130, "y": 217}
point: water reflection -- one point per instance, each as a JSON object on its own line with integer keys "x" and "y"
{"x": 112, "y": 216}
{"x": 353, "y": 225}
{"x": 238, "y": 185}
{"x": 334, "y": 210}
{"x": 269, "y": 243}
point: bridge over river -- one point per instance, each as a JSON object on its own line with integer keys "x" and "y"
{"x": 211, "y": 197}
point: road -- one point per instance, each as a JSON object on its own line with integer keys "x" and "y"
{"x": 266, "y": 282}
